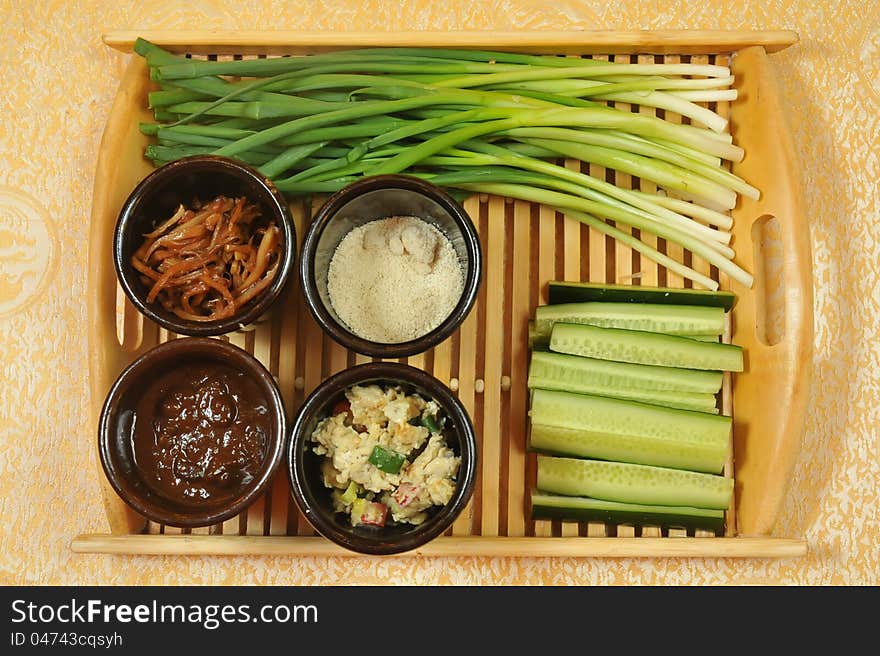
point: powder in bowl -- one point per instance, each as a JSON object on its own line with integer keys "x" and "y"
{"x": 394, "y": 280}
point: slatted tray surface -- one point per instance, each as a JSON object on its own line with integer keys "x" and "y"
{"x": 485, "y": 363}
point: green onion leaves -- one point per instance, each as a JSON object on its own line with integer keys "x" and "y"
{"x": 474, "y": 121}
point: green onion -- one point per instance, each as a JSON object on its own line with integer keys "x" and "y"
{"x": 473, "y": 121}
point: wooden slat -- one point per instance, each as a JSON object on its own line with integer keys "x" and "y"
{"x": 231, "y": 526}
{"x": 336, "y": 357}
{"x": 286, "y": 325}
{"x": 572, "y": 266}
{"x": 280, "y": 502}
{"x": 237, "y": 525}
{"x": 467, "y": 359}
{"x": 572, "y": 239}
{"x": 417, "y": 361}
{"x": 549, "y": 41}
{"x": 262, "y": 343}
{"x": 598, "y": 547}
{"x": 649, "y": 271}
{"x": 520, "y": 313}
{"x": 546, "y": 271}
{"x": 596, "y": 530}
{"x": 623, "y": 254}
{"x": 312, "y": 376}
{"x": 256, "y": 517}
{"x": 493, "y": 350}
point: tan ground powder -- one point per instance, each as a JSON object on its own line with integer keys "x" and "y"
{"x": 393, "y": 280}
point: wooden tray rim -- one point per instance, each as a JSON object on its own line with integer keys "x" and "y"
{"x": 585, "y": 41}
{"x": 444, "y": 546}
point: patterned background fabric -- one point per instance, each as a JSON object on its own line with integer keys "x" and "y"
{"x": 58, "y": 83}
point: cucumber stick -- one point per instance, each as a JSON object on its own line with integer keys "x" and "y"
{"x": 644, "y": 348}
{"x": 585, "y": 509}
{"x": 579, "y": 374}
{"x": 629, "y": 483}
{"x": 693, "y": 401}
{"x": 541, "y": 342}
{"x": 637, "y": 449}
{"x": 582, "y": 292}
{"x": 648, "y": 317}
{"x": 538, "y": 342}
{"x": 614, "y": 429}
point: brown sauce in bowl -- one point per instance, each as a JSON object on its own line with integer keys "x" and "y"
{"x": 200, "y": 432}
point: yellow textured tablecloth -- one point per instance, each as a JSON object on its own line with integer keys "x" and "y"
{"x": 58, "y": 81}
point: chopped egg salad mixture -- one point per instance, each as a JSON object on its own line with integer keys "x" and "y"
{"x": 385, "y": 457}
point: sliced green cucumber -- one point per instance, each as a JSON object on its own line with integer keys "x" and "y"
{"x": 691, "y": 401}
{"x": 654, "y": 318}
{"x": 701, "y": 338}
{"x": 541, "y": 342}
{"x": 644, "y": 348}
{"x": 637, "y": 449}
{"x": 629, "y": 483}
{"x": 583, "y": 292}
{"x": 589, "y": 375}
{"x": 538, "y": 342}
{"x": 613, "y": 429}
{"x": 586, "y": 509}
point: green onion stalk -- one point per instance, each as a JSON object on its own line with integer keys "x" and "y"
{"x": 473, "y": 121}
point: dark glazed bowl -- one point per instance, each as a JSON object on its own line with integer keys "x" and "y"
{"x": 202, "y": 178}
{"x": 115, "y": 432}
{"x": 379, "y": 197}
{"x": 313, "y": 498}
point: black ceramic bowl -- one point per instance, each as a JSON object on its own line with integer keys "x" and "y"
{"x": 199, "y": 178}
{"x": 379, "y": 197}
{"x": 313, "y": 497}
{"x": 120, "y": 414}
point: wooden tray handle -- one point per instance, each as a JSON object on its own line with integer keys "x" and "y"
{"x": 774, "y": 322}
{"x": 113, "y": 182}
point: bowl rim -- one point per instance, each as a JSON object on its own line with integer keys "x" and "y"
{"x": 339, "y": 332}
{"x": 388, "y": 372}
{"x": 224, "y": 352}
{"x": 253, "y": 310}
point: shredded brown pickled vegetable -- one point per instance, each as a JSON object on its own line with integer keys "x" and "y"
{"x": 207, "y": 262}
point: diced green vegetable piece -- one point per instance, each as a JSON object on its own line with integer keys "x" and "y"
{"x": 357, "y": 510}
{"x": 386, "y": 460}
{"x": 350, "y": 494}
{"x": 429, "y": 422}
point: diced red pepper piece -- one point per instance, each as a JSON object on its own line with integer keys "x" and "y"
{"x": 405, "y": 494}
{"x": 374, "y": 513}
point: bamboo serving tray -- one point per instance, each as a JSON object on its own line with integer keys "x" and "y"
{"x": 485, "y": 362}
